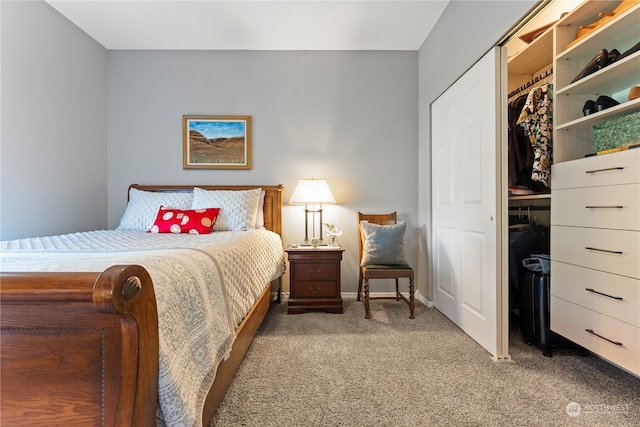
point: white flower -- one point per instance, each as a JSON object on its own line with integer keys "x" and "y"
{"x": 333, "y": 230}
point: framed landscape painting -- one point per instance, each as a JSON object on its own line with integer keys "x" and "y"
{"x": 216, "y": 142}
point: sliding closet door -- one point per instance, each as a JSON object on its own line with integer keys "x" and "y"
{"x": 466, "y": 203}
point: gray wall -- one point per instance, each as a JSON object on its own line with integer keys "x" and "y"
{"x": 348, "y": 117}
{"x": 463, "y": 34}
{"x": 53, "y": 169}
{"x": 358, "y": 119}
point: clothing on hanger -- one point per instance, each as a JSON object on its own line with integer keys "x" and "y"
{"x": 519, "y": 149}
{"x": 537, "y": 120}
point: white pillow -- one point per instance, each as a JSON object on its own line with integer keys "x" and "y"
{"x": 260, "y": 216}
{"x": 143, "y": 207}
{"x": 238, "y": 208}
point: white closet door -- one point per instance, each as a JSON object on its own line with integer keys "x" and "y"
{"x": 466, "y": 178}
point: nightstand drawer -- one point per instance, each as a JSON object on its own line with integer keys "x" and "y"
{"x": 313, "y": 289}
{"x": 315, "y": 270}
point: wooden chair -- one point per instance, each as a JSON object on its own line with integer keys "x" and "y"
{"x": 382, "y": 271}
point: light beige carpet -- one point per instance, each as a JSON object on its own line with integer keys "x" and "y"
{"x": 319, "y": 369}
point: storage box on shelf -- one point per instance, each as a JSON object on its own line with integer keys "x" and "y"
{"x": 622, "y": 132}
{"x": 573, "y": 130}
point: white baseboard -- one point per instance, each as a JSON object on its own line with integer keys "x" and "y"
{"x": 418, "y": 296}
{"x": 424, "y": 300}
{"x": 353, "y": 295}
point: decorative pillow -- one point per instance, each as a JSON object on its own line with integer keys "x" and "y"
{"x": 384, "y": 244}
{"x": 260, "y": 215}
{"x": 143, "y": 206}
{"x": 198, "y": 221}
{"x": 238, "y": 208}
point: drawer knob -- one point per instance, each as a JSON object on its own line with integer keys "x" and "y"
{"x": 603, "y": 250}
{"x": 603, "y": 207}
{"x": 603, "y": 294}
{"x": 605, "y": 170}
{"x": 618, "y": 343}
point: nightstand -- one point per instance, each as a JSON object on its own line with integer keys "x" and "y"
{"x": 314, "y": 279}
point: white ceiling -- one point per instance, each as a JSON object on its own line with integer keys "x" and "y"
{"x": 255, "y": 25}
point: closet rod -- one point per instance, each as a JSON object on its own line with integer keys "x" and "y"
{"x": 531, "y": 82}
{"x": 532, "y": 208}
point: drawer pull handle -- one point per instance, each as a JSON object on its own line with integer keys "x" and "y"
{"x": 618, "y": 343}
{"x": 313, "y": 271}
{"x": 603, "y": 207}
{"x": 315, "y": 291}
{"x": 603, "y": 250}
{"x": 605, "y": 170}
{"x": 600, "y": 293}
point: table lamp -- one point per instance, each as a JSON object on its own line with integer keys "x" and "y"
{"x": 312, "y": 193}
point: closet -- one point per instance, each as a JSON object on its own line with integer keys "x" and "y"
{"x": 594, "y": 199}
{"x": 529, "y": 68}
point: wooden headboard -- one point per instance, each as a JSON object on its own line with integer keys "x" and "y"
{"x": 272, "y": 198}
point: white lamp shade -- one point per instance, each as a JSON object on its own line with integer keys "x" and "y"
{"x": 312, "y": 191}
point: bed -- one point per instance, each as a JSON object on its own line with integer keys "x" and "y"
{"x": 129, "y": 328}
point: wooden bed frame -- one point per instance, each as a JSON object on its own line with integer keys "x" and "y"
{"x": 80, "y": 349}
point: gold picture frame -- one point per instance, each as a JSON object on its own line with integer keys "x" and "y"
{"x": 216, "y": 142}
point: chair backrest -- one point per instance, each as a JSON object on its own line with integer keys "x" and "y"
{"x": 380, "y": 219}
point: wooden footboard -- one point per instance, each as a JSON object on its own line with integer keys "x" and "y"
{"x": 79, "y": 349}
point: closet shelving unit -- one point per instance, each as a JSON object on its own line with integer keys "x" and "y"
{"x": 595, "y": 201}
{"x": 531, "y": 197}
{"x": 572, "y": 130}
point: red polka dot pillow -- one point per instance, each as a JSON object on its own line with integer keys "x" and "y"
{"x": 192, "y": 221}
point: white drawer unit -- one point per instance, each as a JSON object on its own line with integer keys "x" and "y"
{"x": 595, "y": 200}
{"x": 616, "y": 341}
{"x": 613, "y": 251}
{"x": 609, "y": 294}
{"x": 595, "y": 253}
{"x": 615, "y": 207}
{"x": 622, "y": 167}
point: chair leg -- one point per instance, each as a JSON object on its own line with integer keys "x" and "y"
{"x": 359, "y": 286}
{"x": 397, "y": 290}
{"x": 412, "y": 304}
{"x": 365, "y": 298}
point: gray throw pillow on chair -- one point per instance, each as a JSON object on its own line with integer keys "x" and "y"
{"x": 384, "y": 244}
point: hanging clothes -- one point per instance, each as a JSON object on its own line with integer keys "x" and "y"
{"x": 537, "y": 120}
{"x": 519, "y": 149}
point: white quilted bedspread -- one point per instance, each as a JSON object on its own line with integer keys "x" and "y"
{"x": 204, "y": 287}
